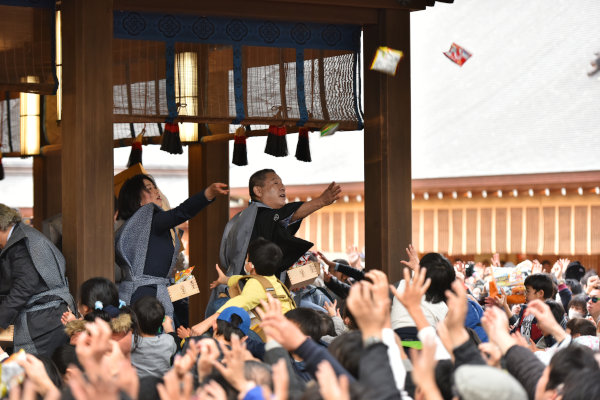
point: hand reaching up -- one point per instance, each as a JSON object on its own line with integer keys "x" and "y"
{"x": 545, "y": 320}
{"x": 221, "y": 280}
{"x": 216, "y": 189}
{"x": 330, "y": 387}
{"x": 413, "y": 258}
{"x": 424, "y": 371}
{"x": 414, "y": 290}
{"x": 330, "y": 195}
{"x": 371, "y": 316}
{"x": 233, "y": 367}
{"x": 277, "y": 327}
{"x": 456, "y": 299}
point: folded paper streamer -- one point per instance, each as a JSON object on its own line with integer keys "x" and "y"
{"x": 457, "y": 54}
{"x": 329, "y": 129}
{"x": 135, "y": 157}
{"x": 276, "y": 141}
{"x": 240, "y": 153}
{"x": 303, "y": 146}
{"x": 171, "y": 142}
{"x": 386, "y": 60}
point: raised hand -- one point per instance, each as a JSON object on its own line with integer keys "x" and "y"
{"x": 216, "y": 189}
{"x": 183, "y": 332}
{"x": 330, "y": 195}
{"x": 233, "y": 368}
{"x": 456, "y": 299}
{"x": 460, "y": 270}
{"x": 330, "y": 387}
{"x": 536, "y": 267}
{"x": 545, "y": 320}
{"x": 221, "y": 280}
{"x": 371, "y": 316}
{"x": 495, "y": 260}
{"x": 491, "y": 354}
{"x": 209, "y": 353}
{"x": 332, "y": 309}
{"x": 424, "y": 370}
{"x": 176, "y": 387}
{"x": 281, "y": 380}
{"x": 277, "y": 327}
{"x": 413, "y": 258}
{"x": 36, "y": 374}
{"x": 322, "y": 257}
{"x": 414, "y": 290}
{"x": 67, "y": 317}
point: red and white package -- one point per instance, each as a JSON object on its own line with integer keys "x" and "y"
{"x": 457, "y": 54}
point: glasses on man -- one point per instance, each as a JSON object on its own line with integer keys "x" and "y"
{"x": 593, "y": 299}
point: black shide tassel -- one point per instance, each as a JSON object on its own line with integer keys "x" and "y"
{"x": 1, "y": 168}
{"x": 240, "y": 152}
{"x": 135, "y": 157}
{"x": 303, "y": 147}
{"x": 171, "y": 142}
{"x": 276, "y": 141}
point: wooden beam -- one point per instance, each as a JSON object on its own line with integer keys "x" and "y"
{"x": 87, "y": 153}
{"x": 258, "y": 9}
{"x": 208, "y": 163}
{"x": 387, "y": 148}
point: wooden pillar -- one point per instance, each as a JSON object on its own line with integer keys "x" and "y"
{"x": 87, "y": 136}
{"x": 208, "y": 163}
{"x": 47, "y": 187}
{"x": 387, "y": 147}
{"x": 47, "y": 182}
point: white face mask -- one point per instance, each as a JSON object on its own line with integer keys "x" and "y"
{"x": 573, "y": 313}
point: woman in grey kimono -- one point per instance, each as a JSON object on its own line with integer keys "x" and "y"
{"x": 146, "y": 245}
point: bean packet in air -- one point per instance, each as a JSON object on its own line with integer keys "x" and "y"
{"x": 386, "y": 60}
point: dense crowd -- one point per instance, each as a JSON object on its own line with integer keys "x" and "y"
{"x": 427, "y": 337}
{"x": 461, "y": 330}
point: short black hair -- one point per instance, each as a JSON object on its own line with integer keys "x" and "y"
{"x": 540, "y": 282}
{"x": 586, "y": 276}
{"x": 582, "y": 385}
{"x": 573, "y": 358}
{"x": 308, "y": 320}
{"x": 258, "y": 179}
{"x": 578, "y": 301}
{"x": 227, "y": 329}
{"x": 441, "y": 272}
{"x": 581, "y": 326}
{"x": 347, "y": 349}
{"x": 130, "y": 195}
{"x": 557, "y": 310}
{"x": 265, "y": 255}
{"x": 327, "y": 325}
{"x": 149, "y": 313}
{"x": 64, "y": 356}
{"x": 574, "y": 286}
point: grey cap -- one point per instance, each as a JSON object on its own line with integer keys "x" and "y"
{"x": 481, "y": 382}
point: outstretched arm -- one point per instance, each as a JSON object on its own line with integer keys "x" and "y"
{"x": 329, "y": 195}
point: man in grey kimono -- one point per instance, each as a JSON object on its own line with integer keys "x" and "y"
{"x": 269, "y": 216}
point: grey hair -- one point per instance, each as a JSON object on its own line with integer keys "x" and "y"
{"x": 8, "y": 217}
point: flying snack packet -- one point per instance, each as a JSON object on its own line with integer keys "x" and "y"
{"x": 386, "y": 60}
{"x": 512, "y": 281}
{"x": 329, "y": 129}
{"x": 458, "y": 54}
{"x": 183, "y": 275}
{"x": 9, "y": 370}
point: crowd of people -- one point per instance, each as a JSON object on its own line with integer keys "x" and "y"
{"x": 444, "y": 331}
